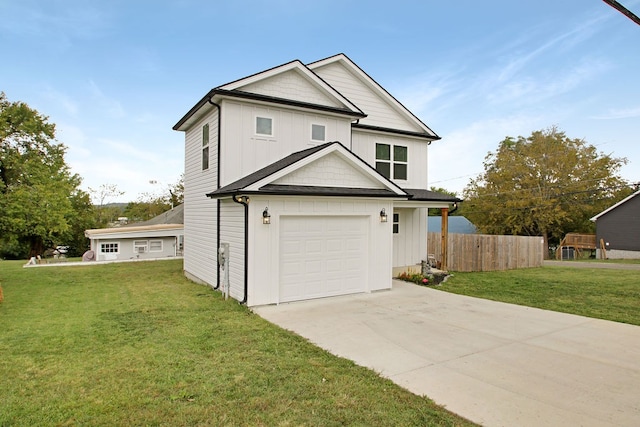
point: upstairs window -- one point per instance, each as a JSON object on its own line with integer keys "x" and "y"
{"x": 390, "y": 158}
{"x": 318, "y": 133}
{"x": 264, "y": 126}
{"x": 205, "y": 147}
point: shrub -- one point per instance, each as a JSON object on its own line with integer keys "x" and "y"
{"x": 418, "y": 278}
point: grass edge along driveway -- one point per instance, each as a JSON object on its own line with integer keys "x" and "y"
{"x": 138, "y": 344}
{"x": 608, "y": 294}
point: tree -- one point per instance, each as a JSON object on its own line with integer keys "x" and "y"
{"x": 149, "y": 205}
{"x": 544, "y": 185}
{"x": 101, "y": 195}
{"x": 37, "y": 188}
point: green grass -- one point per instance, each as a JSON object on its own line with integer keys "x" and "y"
{"x": 138, "y": 344}
{"x": 609, "y": 294}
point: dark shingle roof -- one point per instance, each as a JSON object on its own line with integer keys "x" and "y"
{"x": 172, "y": 216}
{"x": 266, "y": 171}
{"x": 430, "y": 196}
{"x": 300, "y": 190}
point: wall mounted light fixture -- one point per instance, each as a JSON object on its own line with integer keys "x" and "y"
{"x": 266, "y": 218}
{"x": 383, "y": 216}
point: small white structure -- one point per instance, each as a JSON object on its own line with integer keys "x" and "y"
{"x": 313, "y": 179}
{"x": 136, "y": 242}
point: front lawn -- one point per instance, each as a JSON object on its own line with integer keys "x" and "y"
{"x": 138, "y": 344}
{"x": 609, "y": 294}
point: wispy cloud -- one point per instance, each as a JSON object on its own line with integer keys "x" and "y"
{"x": 615, "y": 114}
{"x": 59, "y": 20}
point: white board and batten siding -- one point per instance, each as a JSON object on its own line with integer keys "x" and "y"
{"x": 410, "y": 243}
{"x": 244, "y": 152}
{"x": 232, "y": 232}
{"x": 317, "y": 247}
{"x": 200, "y": 246}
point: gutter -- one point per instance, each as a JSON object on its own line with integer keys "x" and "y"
{"x": 217, "y": 201}
{"x": 244, "y": 201}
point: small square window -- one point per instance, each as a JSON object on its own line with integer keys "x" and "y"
{"x": 155, "y": 245}
{"x": 399, "y": 153}
{"x": 318, "y": 133}
{"x": 400, "y": 171}
{"x": 384, "y": 168}
{"x": 383, "y": 152}
{"x": 264, "y": 126}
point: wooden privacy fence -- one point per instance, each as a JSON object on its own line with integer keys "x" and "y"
{"x": 483, "y": 252}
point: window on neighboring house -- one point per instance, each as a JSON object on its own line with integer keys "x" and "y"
{"x": 109, "y": 248}
{"x": 396, "y": 223}
{"x": 264, "y": 126}
{"x": 205, "y": 147}
{"x": 140, "y": 246}
{"x": 155, "y": 245}
{"x": 318, "y": 133}
{"x": 388, "y": 159}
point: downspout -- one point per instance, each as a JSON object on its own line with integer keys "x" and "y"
{"x": 217, "y": 200}
{"x": 244, "y": 201}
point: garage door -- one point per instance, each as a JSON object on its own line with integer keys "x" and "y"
{"x": 322, "y": 256}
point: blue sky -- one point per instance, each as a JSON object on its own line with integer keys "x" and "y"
{"x": 115, "y": 76}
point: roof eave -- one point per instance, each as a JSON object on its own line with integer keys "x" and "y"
{"x": 208, "y": 98}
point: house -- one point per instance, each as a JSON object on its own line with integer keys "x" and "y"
{"x": 159, "y": 237}
{"x": 457, "y": 225}
{"x": 618, "y": 227}
{"x": 310, "y": 179}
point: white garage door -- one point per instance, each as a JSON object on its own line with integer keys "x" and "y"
{"x": 322, "y": 256}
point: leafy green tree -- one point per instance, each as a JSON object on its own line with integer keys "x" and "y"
{"x": 37, "y": 188}
{"x": 544, "y": 185}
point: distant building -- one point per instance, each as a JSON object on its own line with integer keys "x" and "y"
{"x": 457, "y": 225}
{"x": 160, "y": 237}
{"x": 618, "y": 227}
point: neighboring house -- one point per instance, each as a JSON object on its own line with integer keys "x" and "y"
{"x": 311, "y": 177}
{"x": 159, "y": 237}
{"x": 619, "y": 228}
{"x": 457, "y": 225}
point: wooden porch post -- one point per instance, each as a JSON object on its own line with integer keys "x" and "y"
{"x": 445, "y": 238}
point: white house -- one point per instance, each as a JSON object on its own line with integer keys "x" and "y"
{"x": 159, "y": 237}
{"x": 311, "y": 177}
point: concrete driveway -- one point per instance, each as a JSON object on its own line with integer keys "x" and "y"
{"x": 496, "y": 364}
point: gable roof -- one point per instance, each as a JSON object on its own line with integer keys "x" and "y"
{"x": 267, "y": 181}
{"x": 174, "y": 215}
{"x": 625, "y": 200}
{"x": 339, "y": 104}
{"x": 389, "y": 99}
{"x": 264, "y": 180}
